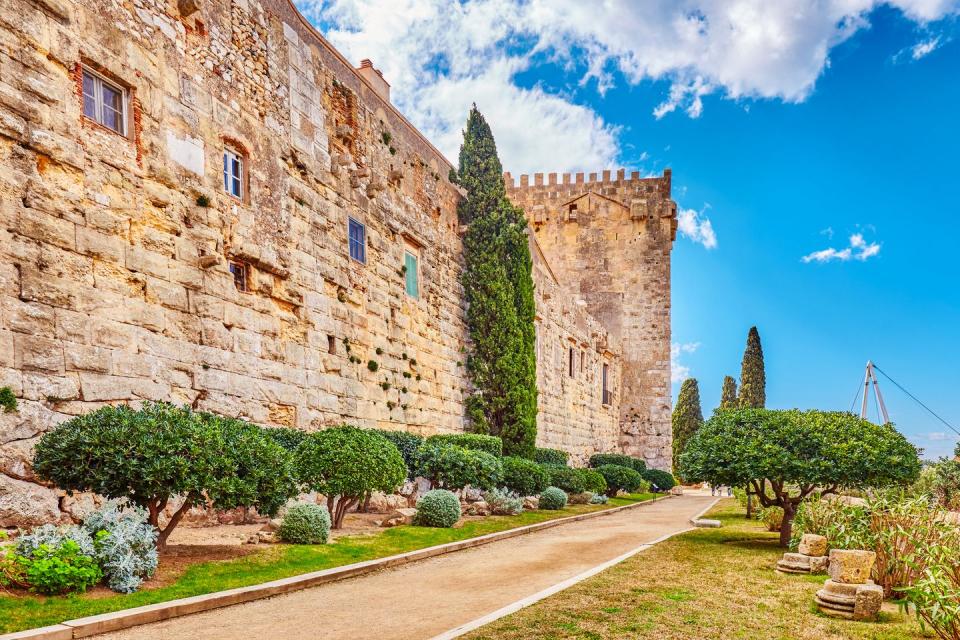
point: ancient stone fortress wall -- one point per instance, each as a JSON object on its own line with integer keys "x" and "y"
{"x": 573, "y": 349}
{"x": 128, "y": 272}
{"x": 608, "y": 240}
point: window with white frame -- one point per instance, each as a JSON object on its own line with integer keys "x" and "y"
{"x": 357, "y": 239}
{"x": 411, "y": 272}
{"x": 233, "y": 172}
{"x": 104, "y": 102}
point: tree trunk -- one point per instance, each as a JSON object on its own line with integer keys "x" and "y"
{"x": 174, "y": 521}
{"x": 749, "y": 503}
{"x": 786, "y": 527}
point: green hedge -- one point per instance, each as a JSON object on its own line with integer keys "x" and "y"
{"x": 452, "y": 467}
{"x": 600, "y": 459}
{"x": 620, "y": 479}
{"x": 407, "y": 443}
{"x": 490, "y": 444}
{"x": 570, "y": 480}
{"x": 551, "y": 456}
{"x": 593, "y": 480}
{"x": 524, "y": 477}
{"x": 663, "y": 480}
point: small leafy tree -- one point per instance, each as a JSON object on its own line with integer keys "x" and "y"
{"x": 785, "y": 456}
{"x": 345, "y": 463}
{"x": 154, "y": 454}
{"x": 753, "y": 379}
{"x": 728, "y": 395}
{"x": 498, "y": 288}
{"x": 451, "y": 467}
{"x": 687, "y": 417}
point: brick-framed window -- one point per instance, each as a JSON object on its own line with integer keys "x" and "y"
{"x": 241, "y": 276}
{"x": 357, "y": 240}
{"x": 411, "y": 273}
{"x": 234, "y": 172}
{"x": 105, "y": 102}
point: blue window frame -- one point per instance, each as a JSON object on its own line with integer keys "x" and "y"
{"x": 412, "y": 274}
{"x": 357, "y": 235}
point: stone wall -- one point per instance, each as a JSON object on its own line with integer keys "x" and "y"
{"x": 608, "y": 239}
{"x": 116, "y": 250}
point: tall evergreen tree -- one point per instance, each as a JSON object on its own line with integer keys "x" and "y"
{"x": 687, "y": 418}
{"x": 728, "y": 396}
{"x": 753, "y": 380}
{"x": 498, "y": 287}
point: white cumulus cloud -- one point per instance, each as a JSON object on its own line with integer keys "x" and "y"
{"x": 696, "y": 226}
{"x": 441, "y": 56}
{"x": 859, "y": 249}
{"x": 678, "y": 371}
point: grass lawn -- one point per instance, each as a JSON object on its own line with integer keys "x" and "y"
{"x": 708, "y": 583}
{"x": 19, "y": 612}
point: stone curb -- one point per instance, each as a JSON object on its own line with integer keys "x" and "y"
{"x": 125, "y": 618}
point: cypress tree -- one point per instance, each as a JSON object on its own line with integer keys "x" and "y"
{"x": 753, "y": 381}
{"x": 728, "y": 396}
{"x": 687, "y": 418}
{"x": 498, "y": 287}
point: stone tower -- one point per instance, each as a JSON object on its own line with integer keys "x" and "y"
{"x": 608, "y": 240}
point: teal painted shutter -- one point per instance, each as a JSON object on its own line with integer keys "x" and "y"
{"x": 413, "y": 286}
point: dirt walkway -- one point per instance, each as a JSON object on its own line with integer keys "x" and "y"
{"x": 426, "y": 598}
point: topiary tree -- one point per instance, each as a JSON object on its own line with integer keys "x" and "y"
{"x": 153, "y": 455}
{"x": 728, "y": 395}
{"x": 570, "y": 480}
{"x": 524, "y": 477}
{"x": 785, "y": 456}
{"x": 620, "y": 479}
{"x": 305, "y": 523}
{"x": 663, "y": 480}
{"x": 753, "y": 379}
{"x": 345, "y": 463}
{"x": 498, "y": 288}
{"x": 478, "y": 442}
{"x": 555, "y": 457}
{"x": 452, "y": 467}
{"x": 687, "y": 417}
{"x": 405, "y": 442}
{"x": 593, "y": 480}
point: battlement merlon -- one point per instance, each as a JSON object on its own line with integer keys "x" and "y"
{"x": 583, "y": 179}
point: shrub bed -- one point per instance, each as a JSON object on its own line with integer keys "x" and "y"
{"x": 593, "y": 480}
{"x": 567, "y": 479}
{"x": 600, "y": 459}
{"x": 620, "y": 479}
{"x": 554, "y": 457}
{"x": 407, "y": 444}
{"x": 475, "y": 441}
{"x": 437, "y": 508}
{"x": 452, "y": 467}
{"x": 503, "y": 503}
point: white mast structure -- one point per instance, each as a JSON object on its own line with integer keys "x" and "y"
{"x": 871, "y": 376}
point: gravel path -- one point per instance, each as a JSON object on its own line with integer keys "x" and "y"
{"x": 426, "y": 598}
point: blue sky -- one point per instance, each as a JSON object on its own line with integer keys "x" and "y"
{"x": 814, "y": 147}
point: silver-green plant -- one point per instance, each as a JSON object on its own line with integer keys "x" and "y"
{"x": 54, "y": 536}
{"x": 125, "y": 543}
{"x": 503, "y": 502}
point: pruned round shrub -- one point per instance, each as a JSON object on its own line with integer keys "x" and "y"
{"x": 407, "y": 443}
{"x": 554, "y": 457}
{"x": 437, "y": 508}
{"x": 125, "y": 545}
{"x": 503, "y": 503}
{"x": 475, "y": 441}
{"x": 620, "y": 479}
{"x": 305, "y": 523}
{"x": 553, "y": 499}
{"x": 150, "y": 454}
{"x": 593, "y": 480}
{"x": 453, "y": 467}
{"x": 565, "y": 478}
{"x": 662, "y": 480}
{"x": 524, "y": 477}
{"x": 345, "y": 463}
{"x": 600, "y": 459}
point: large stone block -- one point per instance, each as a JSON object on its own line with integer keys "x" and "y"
{"x": 813, "y": 545}
{"x": 25, "y": 504}
{"x": 851, "y": 566}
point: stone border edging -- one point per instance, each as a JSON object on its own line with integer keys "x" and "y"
{"x": 126, "y": 618}
{"x": 560, "y": 586}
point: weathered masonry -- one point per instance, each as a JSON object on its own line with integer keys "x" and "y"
{"x": 204, "y": 202}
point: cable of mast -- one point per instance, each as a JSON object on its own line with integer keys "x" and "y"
{"x": 915, "y": 399}
{"x": 856, "y": 396}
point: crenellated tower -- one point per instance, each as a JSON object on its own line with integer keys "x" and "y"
{"x": 608, "y": 239}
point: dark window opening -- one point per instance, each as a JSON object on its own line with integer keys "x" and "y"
{"x": 240, "y": 275}
{"x": 606, "y": 390}
{"x": 570, "y": 360}
{"x": 583, "y": 357}
{"x": 331, "y": 344}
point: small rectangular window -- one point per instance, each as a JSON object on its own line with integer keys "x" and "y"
{"x": 331, "y": 344}
{"x": 570, "y": 359}
{"x": 606, "y": 390}
{"x": 583, "y": 357}
{"x": 239, "y": 271}
{"x": 357, "y": 235}
{"x": 233, "y": 173}
{"x": 412, "y": 274}
{"x": 104, "y": 102}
